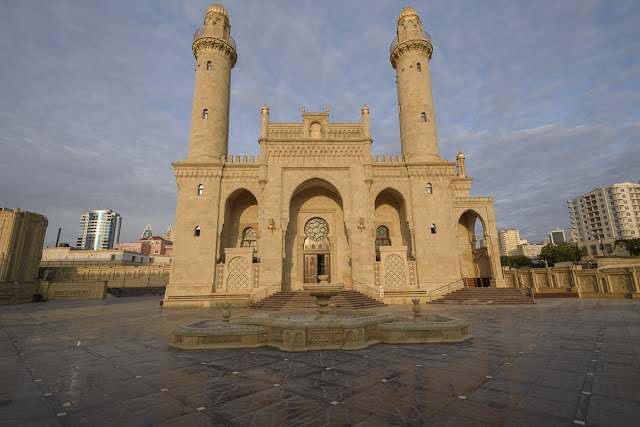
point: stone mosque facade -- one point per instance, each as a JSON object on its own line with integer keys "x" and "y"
{"x": 316, "y": 201}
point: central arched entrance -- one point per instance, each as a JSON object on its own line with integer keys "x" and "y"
{"x": 315, "y": 241}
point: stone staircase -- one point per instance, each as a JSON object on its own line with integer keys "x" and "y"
{"x": 484, "y": 296}
{"x": 299, "y": 300}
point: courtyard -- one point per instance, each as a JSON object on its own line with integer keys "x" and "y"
{"x": 106, "y": 362}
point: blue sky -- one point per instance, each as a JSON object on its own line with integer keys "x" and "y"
{"x": 542, "y": 97}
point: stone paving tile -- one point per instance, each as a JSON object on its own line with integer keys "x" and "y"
{"x": 608, "y": 412}
{"x": 549, "y": 407}
{"x": 333, "y": 415}
{"x": 616, "y": 387}
{"x": 522, "y": 418}
{"x": 108, "y": 361}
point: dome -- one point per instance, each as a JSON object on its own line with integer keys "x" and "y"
{"x": 407, "y": 11}
{"x": 218, "y": 9}
{"x": 460, "y": 155}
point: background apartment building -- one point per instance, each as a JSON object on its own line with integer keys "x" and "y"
{"x": 508, "y": 241}
{"x": 99, "y": 229}
{"x": 611, "y": 212}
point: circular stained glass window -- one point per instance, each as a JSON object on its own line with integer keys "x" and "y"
{"x": 316, "y": 229}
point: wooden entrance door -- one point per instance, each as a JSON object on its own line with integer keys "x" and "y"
{"x": 314, "y": 265}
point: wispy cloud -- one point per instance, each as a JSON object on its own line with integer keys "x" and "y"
{"x": 542, "y": 97}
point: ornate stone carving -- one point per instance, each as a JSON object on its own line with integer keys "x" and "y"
{"x": 256, "y": 275}
{"x": 213, "y": 44}
{"x": 371, "y": 332}
{"x": 222, "y": 339}
{"x": 275, "y": 335}
{"x": 417, "y": 45}
{"x": 351, "y": 337}
{"x": 219, "y": 274}
{"x": 394, "y": 276}
{"x": 320, "y": 336}
{"x": 238, "y": 280}
{"x": 424, "y": 334}
{"x": 376, "y": 273}
{"x": 412, "y": 274}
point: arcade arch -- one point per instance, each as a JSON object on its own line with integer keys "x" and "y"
{"x": 240, "y": 214}
{"x": 315, "y": 239}
{"x": 475, "y": 260}
{"x": 390, "y": 213}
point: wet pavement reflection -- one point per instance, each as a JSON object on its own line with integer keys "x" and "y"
{"x": 107, "y": 362}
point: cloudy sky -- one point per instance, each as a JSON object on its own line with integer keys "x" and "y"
{"x": 543, "y": 97}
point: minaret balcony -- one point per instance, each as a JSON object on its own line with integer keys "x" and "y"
{"x": 410, "y": 35}
{"x": 209, "y": 32}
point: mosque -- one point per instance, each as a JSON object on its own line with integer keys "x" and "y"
{"x": 316, "y": 202}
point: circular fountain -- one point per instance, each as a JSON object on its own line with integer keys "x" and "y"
{"x": 323, "y": 291}
{"x": 321, "y": 329}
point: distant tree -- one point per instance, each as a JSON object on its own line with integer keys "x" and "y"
{"x": 562, "y": 252}
{"x": 631, "y": 245}
{"x": 515, "y": 261}
{"x": 521, "y": 261}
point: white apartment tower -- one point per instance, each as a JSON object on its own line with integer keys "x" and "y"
{"x": 607, "y": 212}
{"x": 508, "y": 241}
{"x": 99, "y": 229}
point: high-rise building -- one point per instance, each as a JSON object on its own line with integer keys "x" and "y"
{"x": 558, "y": 236}
{"x": 508, "y": 241}
{"x": 99, "y": 229}
{"x": 148, "y": 232}
{"x": 611, "y": 212}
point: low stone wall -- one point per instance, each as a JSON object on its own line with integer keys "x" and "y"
{"x": 67, "y": 280}
{"x": 603, "y": 282}
{"x": 18, "y": 293}
{"x": 73, "y": 290}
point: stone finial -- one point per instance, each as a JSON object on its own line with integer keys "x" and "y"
{"x": 416, "y": 309}
{"x": 226, "y": 314}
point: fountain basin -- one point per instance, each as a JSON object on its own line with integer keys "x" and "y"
{"x": 302, "y": 330}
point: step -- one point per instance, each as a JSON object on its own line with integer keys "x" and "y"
{"x": 484, "y": 296}
{"x": 297, "y": 300}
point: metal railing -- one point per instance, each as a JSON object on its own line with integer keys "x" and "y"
{"x": 366, "y": 289}
{"x": 447, "y": 288}
{"x": 263, "y": 293}
{"x": 409, "y": 35}
{"x": 208, "y": 32}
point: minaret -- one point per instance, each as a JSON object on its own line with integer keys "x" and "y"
{"x": 410, "y": 55}
{"x": 215, "y": 53}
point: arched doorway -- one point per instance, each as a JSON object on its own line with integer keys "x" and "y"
{"x": 390, "y": 221}
{"x": 315, "y": 240}
{"x": 240, "y": 223}
{"x": 475, "y": 259}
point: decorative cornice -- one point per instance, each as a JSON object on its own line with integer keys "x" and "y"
{"x": 419, "y": 45}
{"x": 239, "y": 176}
{"x": 197, "y": 173}
{"x": 440, "y": 170}
{"x": 316, "y": 151}
{"x": 213, "y": 44}
{"x": 389, "y": 173}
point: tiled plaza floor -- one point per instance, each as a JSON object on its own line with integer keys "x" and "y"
{"x": 106, "y": 362}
